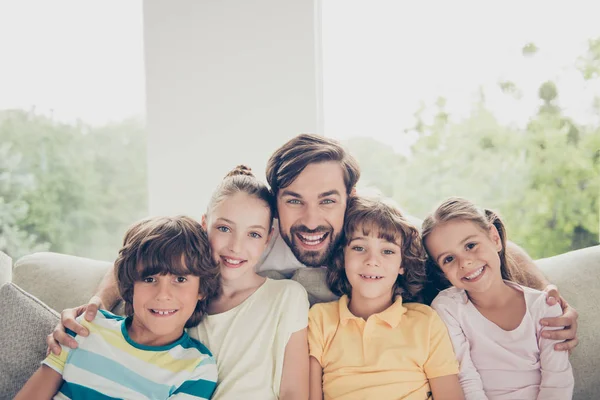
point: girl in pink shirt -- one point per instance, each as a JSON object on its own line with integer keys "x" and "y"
{"x": 493, "y": 322}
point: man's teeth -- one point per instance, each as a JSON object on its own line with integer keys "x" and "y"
{"x": 234, "y": 262}
{"x": 312, "y": 239}
{"x": 372, "y": 276}
{"x": 474, "y": 274}
{"x": 167, "y": 312}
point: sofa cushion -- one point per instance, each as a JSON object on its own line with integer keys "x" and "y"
{"x": 26, "y": 322}
{"x": 61, "y": 281}
{"x": 576, "y": 276}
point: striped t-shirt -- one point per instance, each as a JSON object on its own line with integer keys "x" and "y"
{"x": 107, "y": 364}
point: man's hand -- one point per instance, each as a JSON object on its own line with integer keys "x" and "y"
{"x": 568, "y": 320}
{"x": 67, "y": 320}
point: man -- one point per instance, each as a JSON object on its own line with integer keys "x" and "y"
{"x": 312, "y": 178}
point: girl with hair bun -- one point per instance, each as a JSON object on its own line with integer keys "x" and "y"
{"x": 494, "y": 323}
{"x": 256, "y": 327}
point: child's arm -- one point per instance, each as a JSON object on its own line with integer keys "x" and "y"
{"x": 468, "y": 377}
{"x": 294, "y": 377}
{"x": 43, "y": 384}
{"x": 316, "y": 380}
{"x": 446, "y": 388}
{"x": 316, "y": 346}
{"x": 557, "y": 375}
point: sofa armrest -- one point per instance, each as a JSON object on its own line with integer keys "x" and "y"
{"x": 59, "y": 280}
{"x": 5, "y": 268}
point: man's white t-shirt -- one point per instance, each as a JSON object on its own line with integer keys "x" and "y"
{"x": 278, "y": 256}
{"x": 249, "y": 340}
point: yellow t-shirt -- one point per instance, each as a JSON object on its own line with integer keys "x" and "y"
{"x": 392, "y": 355}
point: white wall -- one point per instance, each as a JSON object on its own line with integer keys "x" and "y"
{"x": 228, "y": 82}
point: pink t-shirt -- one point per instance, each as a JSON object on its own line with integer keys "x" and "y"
{"x": 505, "y": 365}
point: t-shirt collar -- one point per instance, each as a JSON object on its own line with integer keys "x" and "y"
{"x": 391, "y": 316}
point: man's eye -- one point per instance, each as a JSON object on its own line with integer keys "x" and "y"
{"x": 181, "y": 279}
{"x": 448, "y": 259}
{"x": 293, "y": 201}
{"x": 389, "y": 252}
{"x": 223, "y": 229}
{"x": 327, "y": 201}
{"x": 255, "y": 235}
{"x": 149, "y": 279}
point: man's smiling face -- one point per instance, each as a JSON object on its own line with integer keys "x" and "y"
{"x": 311, "y": 212}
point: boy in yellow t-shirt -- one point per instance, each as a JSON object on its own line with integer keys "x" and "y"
{"x": 369, "y": 344}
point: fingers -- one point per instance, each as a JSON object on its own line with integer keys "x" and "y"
{"x": 569, "y": 345}
{"x": 564, "y": 321}
{"x": 551, "y": 300}
{"x": 67, "y": 319}
{"x": 58, "y": 337}
{"x": 568, "y": 319}
{"x": 552, "y": 295}
{"x": 52, "y": 345}
{"x": 560, "y": 334}
{"x": 90, "y": 313}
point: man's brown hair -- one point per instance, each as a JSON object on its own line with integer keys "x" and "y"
{"x": 167, "y": 245}
{"x": 376, "y": 216}
{"x": 289, "y": 160}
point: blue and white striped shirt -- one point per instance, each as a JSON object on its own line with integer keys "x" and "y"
{"x": 107, "y": 364}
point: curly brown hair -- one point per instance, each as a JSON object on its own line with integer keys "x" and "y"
{"x": 167, "y": 245}
{"x": 371, "y": 215}
{"x": 457, "y": 208}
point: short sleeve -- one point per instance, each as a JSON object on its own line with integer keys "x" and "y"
{"x": 441, "y": 360}
{"x": 316, "y": 341}
{"x": 57, "y": 362}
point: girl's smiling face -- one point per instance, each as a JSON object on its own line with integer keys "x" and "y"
{"x": 372, "y": 264}
{"x": 238, "y": 231}
{"x": 467, "y": 254}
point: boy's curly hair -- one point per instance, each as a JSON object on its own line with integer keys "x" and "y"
{"x": 376, "y": 216}
{"x": 167, "y": 245}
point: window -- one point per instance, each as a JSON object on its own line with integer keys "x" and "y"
{"x": 72, "y": 141}
{"x": 499, "y": 104}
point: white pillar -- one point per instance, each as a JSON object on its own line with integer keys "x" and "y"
{"x": 228, "y": 82}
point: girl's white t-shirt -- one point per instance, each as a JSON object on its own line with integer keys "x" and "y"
{"x": 249, "y": 340}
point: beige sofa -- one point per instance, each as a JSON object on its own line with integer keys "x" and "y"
{"x": 60, "y": 281}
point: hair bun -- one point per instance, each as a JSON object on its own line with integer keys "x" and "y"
{"x": 240, "y": 170}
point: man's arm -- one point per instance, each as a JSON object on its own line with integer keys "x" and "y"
{"x": 107, "y": 295}
{"x": 523, "y": 268}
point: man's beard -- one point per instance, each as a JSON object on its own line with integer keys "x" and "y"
{"x": 310, "y": 258}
